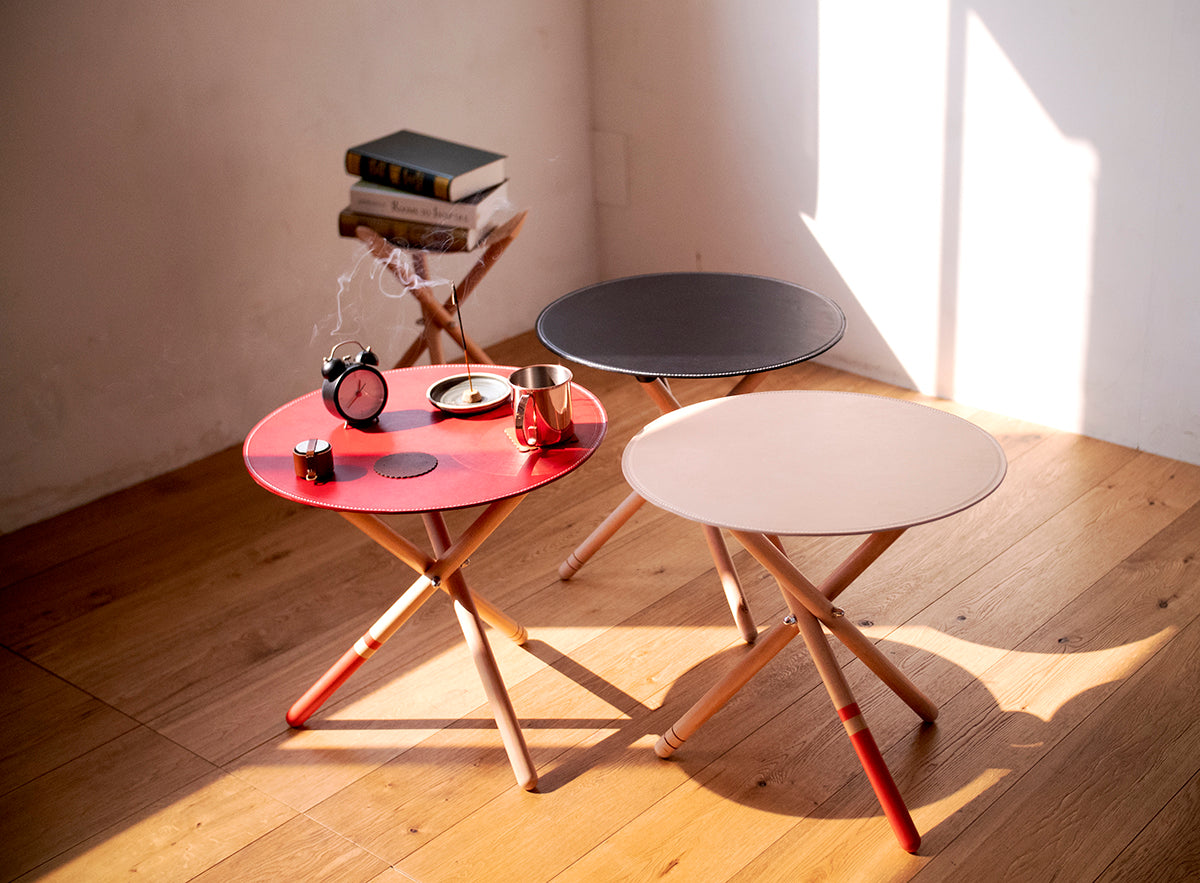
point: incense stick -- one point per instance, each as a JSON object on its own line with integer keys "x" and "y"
{"x": 472, "y": 395}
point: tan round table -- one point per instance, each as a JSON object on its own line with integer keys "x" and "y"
{"x": 821, "y": 464}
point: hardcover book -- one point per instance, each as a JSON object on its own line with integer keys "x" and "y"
{"x": 476, "y": 210}
{"x": 426, "y": 165}
{"x": 411, "y": 234}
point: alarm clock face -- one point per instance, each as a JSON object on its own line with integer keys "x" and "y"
{"x": 361, "y": 394}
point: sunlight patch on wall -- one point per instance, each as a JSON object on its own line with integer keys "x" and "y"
{"x": 882, "y": 98}
{"x": 1027, "y": 218}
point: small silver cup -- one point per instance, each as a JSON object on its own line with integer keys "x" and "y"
{"x": 542, "y": 405}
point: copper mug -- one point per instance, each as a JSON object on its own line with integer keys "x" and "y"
{"x": 542, "y": 405}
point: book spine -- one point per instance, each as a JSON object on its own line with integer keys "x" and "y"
{"x": 400, "y": 177}
{"x": 444, "y": 214}
{"x": 408, "y": 234}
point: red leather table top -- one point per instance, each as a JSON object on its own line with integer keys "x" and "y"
{"x": 478, "y": 462}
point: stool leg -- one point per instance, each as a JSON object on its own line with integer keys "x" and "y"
{"x": 485, "y": 660}
{"x": 763, "y": 651}
{"x": 797, "y": 587}
{"x": 499, "y": 620}
{"x": 856, "y": 727}
{"x": 493, "y": 685}
{"x": 363, "y": 649}
{"x": 727, "y": 573}
{"x": 600, "y": 536}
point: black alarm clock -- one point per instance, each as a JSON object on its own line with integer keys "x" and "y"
{"x": 354, "y": 388}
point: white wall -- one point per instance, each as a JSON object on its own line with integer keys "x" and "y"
{"x": 1003, "y": 196}
{"x": 173, "y": 174}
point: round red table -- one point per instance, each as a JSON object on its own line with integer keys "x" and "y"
{"x": 475, "y": 461}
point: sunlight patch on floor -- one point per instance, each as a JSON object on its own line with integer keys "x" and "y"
{"x": 1036, "y": 683}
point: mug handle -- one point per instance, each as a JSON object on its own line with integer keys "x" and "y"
{"x": 525, "y": 435}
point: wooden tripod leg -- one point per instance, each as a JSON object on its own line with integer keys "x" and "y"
{"x": 660, "y": 393}
{"x": 493, "y": 245}
{"x": 433, "y": 573}
{"x": 384, "y": 252}
{"x": 493, "y": 686}
{"x": 600, "y": 536}
{"x": 794, "y": 583}
{"x": 764, "y": 650}
{"x": 485, "y": 661}
{"x": 856, "y": 728}
{"x": 430, "y": 326}
{"x": 727, "y": 573}
{"x": 363, "y": 649}
{"x": 772, "y": 642}
{"x": 438, "y": 318}
{"x": 439, "y": 537}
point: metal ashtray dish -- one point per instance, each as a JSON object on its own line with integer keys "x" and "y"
{"x": 451, "y": 393}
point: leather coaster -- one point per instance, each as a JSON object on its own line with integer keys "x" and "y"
{"x": 408, "y": 464}
{"x": 511, "y": 435}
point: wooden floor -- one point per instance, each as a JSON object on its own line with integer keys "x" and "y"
{"x": 153, "y": 640}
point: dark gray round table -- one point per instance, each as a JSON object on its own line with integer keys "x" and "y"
{"x": 663, "y": 326}
{"x": 691, "y": 325}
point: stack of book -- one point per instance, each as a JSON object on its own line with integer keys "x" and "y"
{"x": 423, "y": 192}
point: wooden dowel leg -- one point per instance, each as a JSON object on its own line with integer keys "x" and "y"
{"x": 466, "y": 610}
{"x": 433, "y": 342}
{"x": 797, "y": 585}
{"x": 730, "y": 583}
{"x": 600, "y": 536}
{"x": 864, "y": 744}
{"x": 396, "y": 543}
{"x": 499, "y": 620}
{"x": 412, "y": 353}
{"x": 858, "y": 561}
{"x": 326, "y": 686}
{"x": 494, "y": 245}
{"x": 493, "y": 685}
{"x": 437, "y": 318}
{"x": 660, "y": 393}
{"x": 408, "y": 603}
{"x": 749, "y": 383}
{"x": 435, "y": 571}
{"x": 764, "y": 650}
{"x": 439, "y": 537}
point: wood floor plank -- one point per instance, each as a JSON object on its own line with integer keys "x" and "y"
{"x": 74, "y": 802}
{"x": 175, "y": 838}
{"x": 1168, "y": 849}
{"x": 135, "y": 511}
{"x": 46, "y": 722}
{"x": 1092, "y": 795}
{"x": 112, "y": 556}
{"x": 298, "y": 850}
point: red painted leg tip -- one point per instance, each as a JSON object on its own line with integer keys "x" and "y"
{"x": 296, "y": 719}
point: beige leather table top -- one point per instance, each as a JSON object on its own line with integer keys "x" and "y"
{"x": 812, "y": 462}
